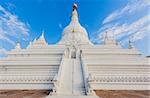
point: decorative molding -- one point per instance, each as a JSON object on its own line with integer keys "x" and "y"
{"x": 120, "y": 79}
{"x": 25, "y": 79}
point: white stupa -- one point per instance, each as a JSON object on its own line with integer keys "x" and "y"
{"x": 74, "y": 67}
{"x": 74, "y": 33}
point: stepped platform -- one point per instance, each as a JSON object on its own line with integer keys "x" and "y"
{"x": 72, "y": 96}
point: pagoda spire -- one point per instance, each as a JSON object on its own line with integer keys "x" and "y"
{"x": 108, "y": 39}
{"x": 74, "y": 17}
{"x": 18, "y": 46}
{"x": 41, "y": 39}
{"x": 130, "y": 46}
{"x": 74, "y": 33}
{"x": 105, "y": 37}
{"x": 42, "y": 36}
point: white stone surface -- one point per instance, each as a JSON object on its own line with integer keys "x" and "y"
{"x": 74, "y": 33}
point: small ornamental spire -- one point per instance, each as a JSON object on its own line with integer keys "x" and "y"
{"x": 105, "y": 37}
{"x": 34, "y": 41}
{"x": 130, "y": 44}
{"x": 18, "y": 43}
{"x": 42, "y": 34}
{"x": 108, "y": 38}
{"x": 41, "y": 39}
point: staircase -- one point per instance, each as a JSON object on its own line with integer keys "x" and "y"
{"x": 71, "y": 78}
{"x": 71, "y": 83}
{"x": 78, "y": 82}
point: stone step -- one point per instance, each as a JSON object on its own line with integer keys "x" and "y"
{"x": 71, "y": 96}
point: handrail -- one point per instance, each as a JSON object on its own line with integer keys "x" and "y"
{"x": 57, "y": 77}
{"x": 60, "y": 69}
{"x": 87, "y": 78}
{"x": 85, "y": 74}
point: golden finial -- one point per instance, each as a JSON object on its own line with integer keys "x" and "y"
{"x": 73, "y": 31}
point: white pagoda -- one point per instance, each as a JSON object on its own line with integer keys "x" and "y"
{"x": 74, "y": 67}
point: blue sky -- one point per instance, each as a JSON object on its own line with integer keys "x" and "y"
{"x": 26, "y": 19}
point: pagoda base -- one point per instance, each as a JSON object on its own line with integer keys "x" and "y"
{"x": 71, "y": 96}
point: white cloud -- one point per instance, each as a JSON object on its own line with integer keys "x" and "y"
{"x": 11, "y": 27}
{"x": 131, "y": 21}
{"x": 131, "y": 8}
{"x": 138, "y": 29}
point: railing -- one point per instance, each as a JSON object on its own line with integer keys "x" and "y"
{"x": 87, "y": 78}
{"x": 85, "y": 75}
{"x": 57, "y": 78}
